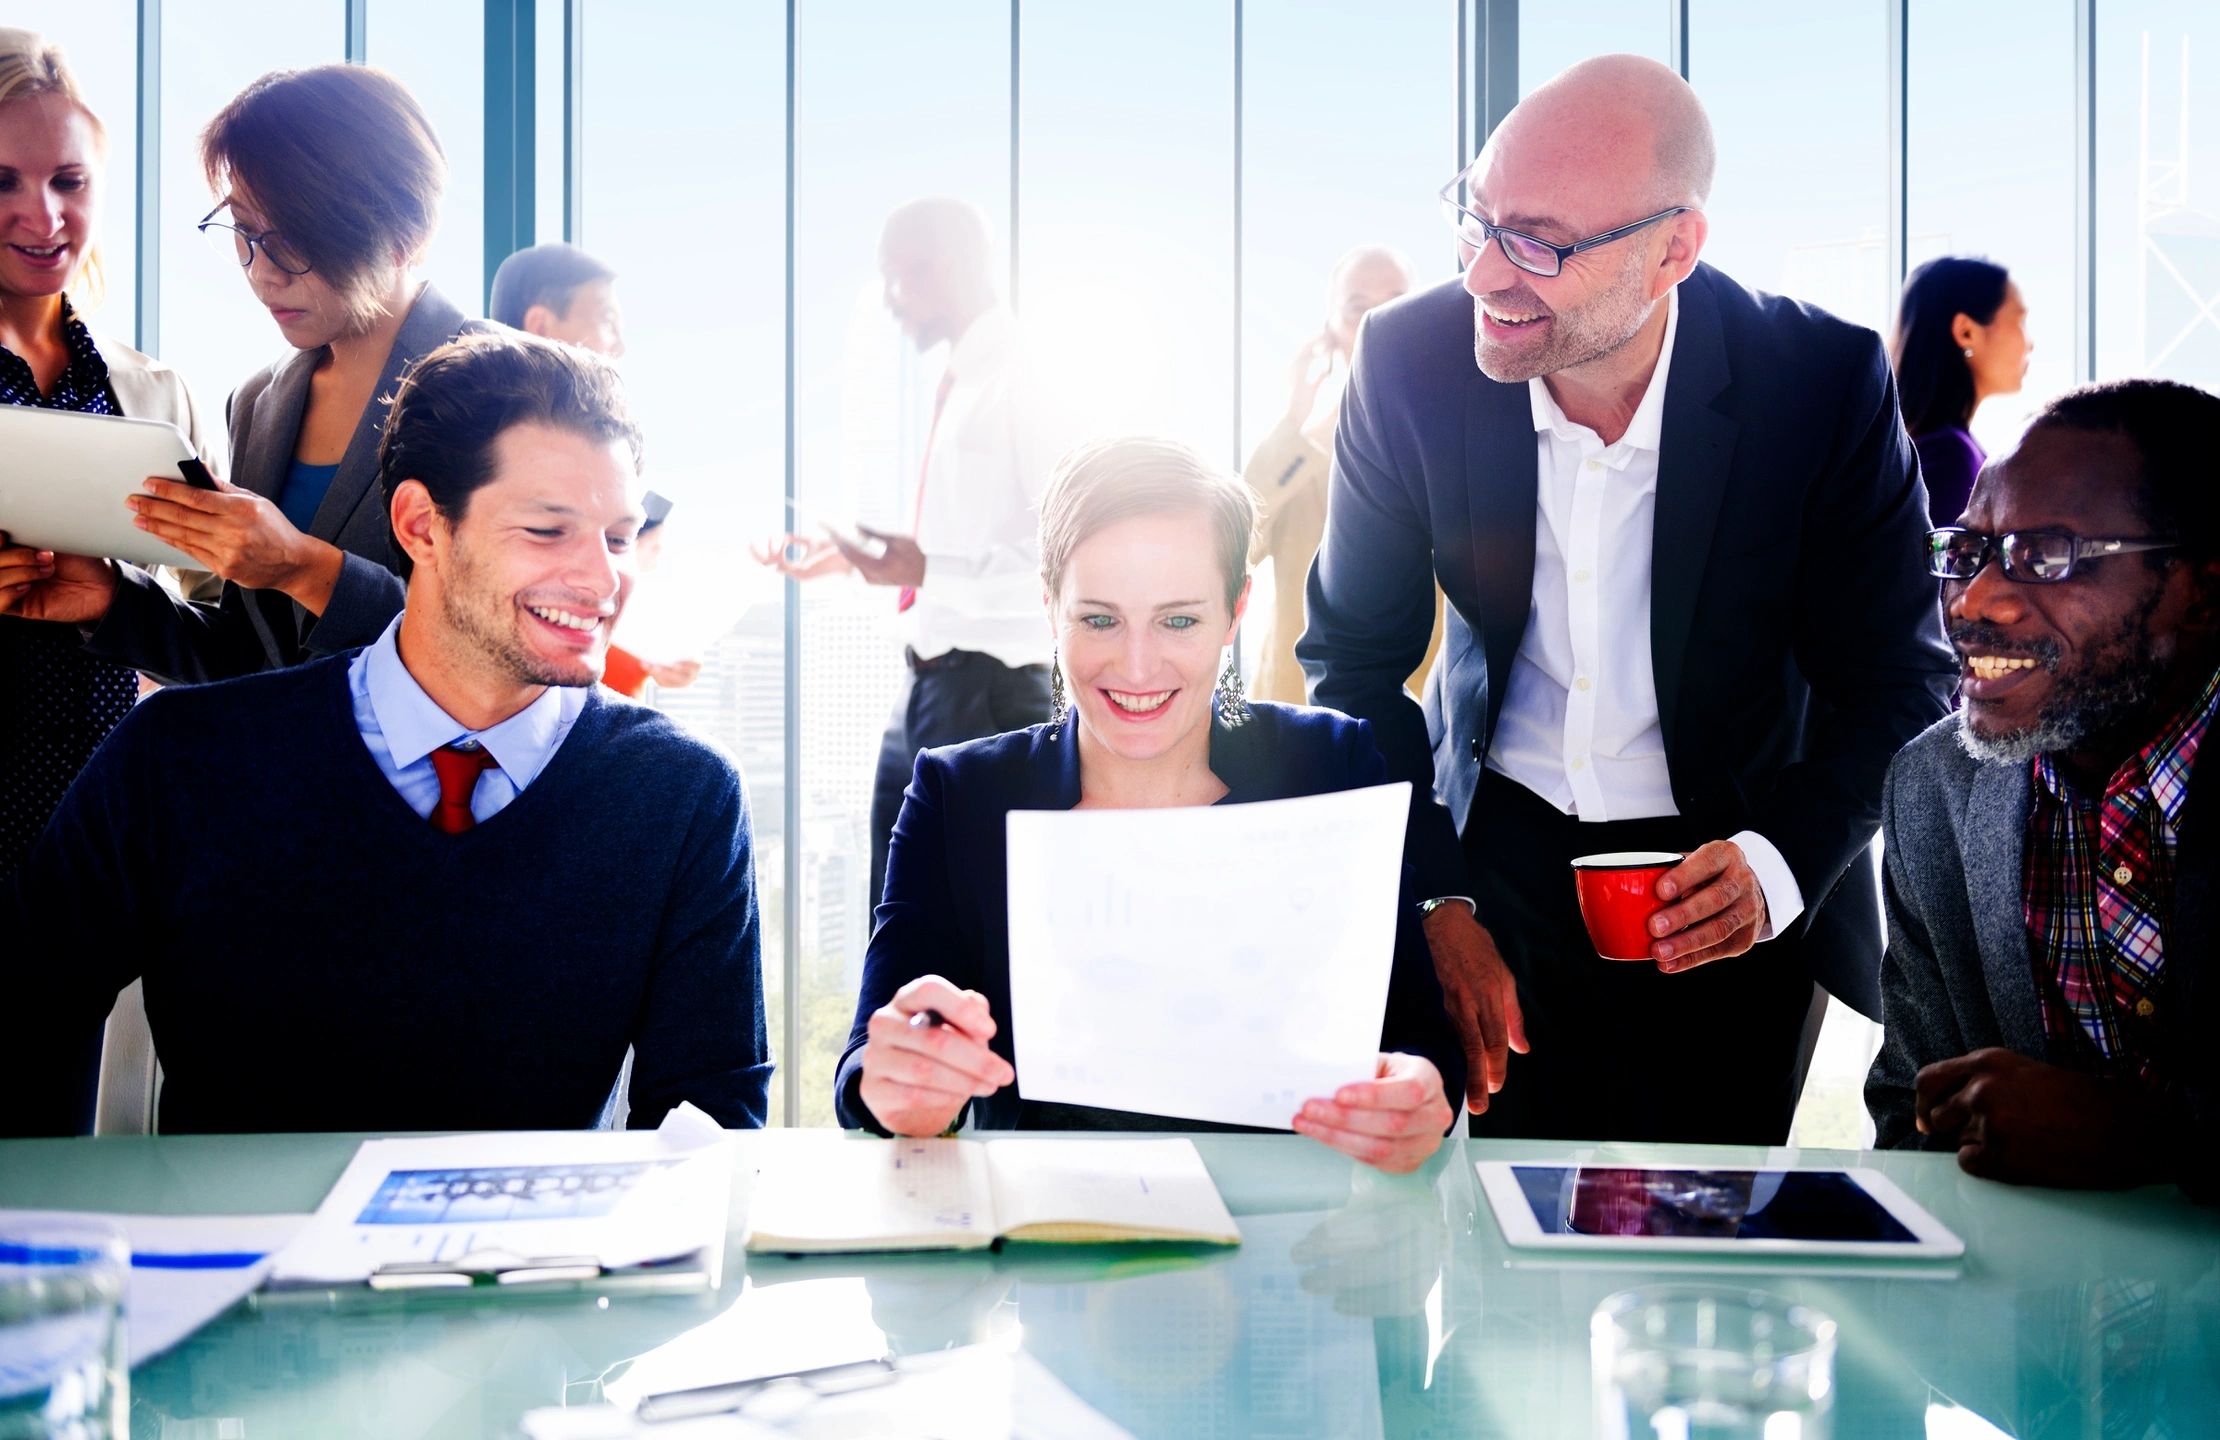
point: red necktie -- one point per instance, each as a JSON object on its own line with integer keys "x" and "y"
{"x": 908, "y": 595}
{"x": 459, "y": 770}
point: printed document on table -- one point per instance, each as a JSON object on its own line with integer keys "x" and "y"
{"x": 1220, "y": 963}
{"x": 616, "y": 1199}
{"x": 185, "y": 1269}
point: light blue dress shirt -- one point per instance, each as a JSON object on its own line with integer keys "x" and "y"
{"x": 402, "y": 726}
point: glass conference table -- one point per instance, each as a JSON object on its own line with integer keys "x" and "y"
{"x": 1358, "y": 1305}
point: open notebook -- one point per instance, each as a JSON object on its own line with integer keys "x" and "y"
{"x": 841, "y": 1193}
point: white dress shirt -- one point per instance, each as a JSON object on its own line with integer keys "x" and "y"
{"x": 1579, "y": 725}
{"x": 978, "y": 517}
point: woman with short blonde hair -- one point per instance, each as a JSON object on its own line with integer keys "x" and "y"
{"x": 1144, "y": 564}
{"x": 57, "y": 703}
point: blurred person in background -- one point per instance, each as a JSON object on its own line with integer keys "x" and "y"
{"x": 1289, "y": 468}
{"x": 559, "y": 292}
{"x": 57, "y": 702}
{"x": 328, "y": 183}
{"x": 1961, "y": 336}
{"x": 966, "y": 574}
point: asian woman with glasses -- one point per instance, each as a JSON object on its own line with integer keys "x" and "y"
{"x": 327, "y": 183}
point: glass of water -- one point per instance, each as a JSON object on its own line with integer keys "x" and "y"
{"x": 62, "y": 1359}
{"x": 1711, "y": 1362}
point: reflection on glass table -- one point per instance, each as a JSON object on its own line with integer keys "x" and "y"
{"x": 1357, "y": 1305}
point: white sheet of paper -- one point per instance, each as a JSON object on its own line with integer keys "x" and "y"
{"x": 185, "y": 1269}
{"x": 621, "y": 1197}
{"x": 1219, "y": 963}
{"x": 977, "y": 1392}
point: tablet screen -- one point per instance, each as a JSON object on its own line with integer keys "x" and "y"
{"x": 1706, "y": 1204}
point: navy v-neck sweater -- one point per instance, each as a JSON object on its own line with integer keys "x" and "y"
{"x": 317, "y": 957}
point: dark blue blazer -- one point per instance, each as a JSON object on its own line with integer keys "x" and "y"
{"x": 946, "y": 910}
{"x": 1793, "y": 627}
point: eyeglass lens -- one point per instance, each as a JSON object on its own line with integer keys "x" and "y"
{"x": 1960, "y": 555}
{"x": 239, "y": 246}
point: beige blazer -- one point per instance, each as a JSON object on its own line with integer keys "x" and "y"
{"x": 1289, "y": 472}
{"x": 146, "y": 389}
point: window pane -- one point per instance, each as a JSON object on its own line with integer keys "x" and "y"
{"x": 892, "y": 101}
{"x": 98, "y": 39}
{"x": 684, "y": 176}
{"x": 1991, "y": 170}
{"x": 2158, "y": 191}
{"x": 438, "y": 49}
{"x": 1126, "y": 222}
{"x": 1348, "y": 130}
{"x": 213, "y": 331}
{"x": 550, "y": 127}
{"x": 1801, "y": 199}
{"x": 1553, "y": 36}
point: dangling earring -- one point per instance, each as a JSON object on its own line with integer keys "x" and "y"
{"x": 1058, "y": 705}
{"x": 1233, "y": 704}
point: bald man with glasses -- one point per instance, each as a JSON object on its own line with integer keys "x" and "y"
{"x": 1680, "y": 529}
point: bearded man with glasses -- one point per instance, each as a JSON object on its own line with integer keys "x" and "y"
{"x": 2053, "y": 898}
{"x": 1678, "y": 523}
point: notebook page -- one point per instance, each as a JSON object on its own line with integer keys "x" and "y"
{"x": 832, "y": 1192}
{"x": 1150, "y": 1186}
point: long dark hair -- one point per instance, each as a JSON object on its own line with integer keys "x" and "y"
{"x": 1933, "y": 380}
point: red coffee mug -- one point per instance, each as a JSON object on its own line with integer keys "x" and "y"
{"x": 1618, "y": 895}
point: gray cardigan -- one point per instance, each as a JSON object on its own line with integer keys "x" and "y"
{"x": 181, "y": 641}
{"x": 1957, "y": 976}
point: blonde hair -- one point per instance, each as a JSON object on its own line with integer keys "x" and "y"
{"x": 32, "y": 66}
{"x": 1106, "y": 481}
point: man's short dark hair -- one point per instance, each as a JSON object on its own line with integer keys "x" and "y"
{"x": 455, "y": 402}
{"x": 2172, "y": 427}
{"x": 549, "y": 275}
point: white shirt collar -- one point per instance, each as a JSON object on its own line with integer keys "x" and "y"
{"x": 1645, "y": 430}
{"x": 414, "y": 725}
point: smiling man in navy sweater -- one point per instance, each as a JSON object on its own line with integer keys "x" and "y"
{"x": 404, "y": 923}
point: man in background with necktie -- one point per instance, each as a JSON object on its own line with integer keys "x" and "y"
{"x": 403, "y": 921}
{"x": 967, "y": 576}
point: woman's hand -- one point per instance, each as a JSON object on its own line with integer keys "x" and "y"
{"x": 1393, "y": 1121}
{"x": 47, "y": 585}
{"x": 239, "y": 535}
{"x": 918, "y": 1076}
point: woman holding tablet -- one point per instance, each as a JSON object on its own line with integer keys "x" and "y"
{"x": 57, "y": 703}
{"x": 328, "y": 184}
{"x": 1144, "y": 555}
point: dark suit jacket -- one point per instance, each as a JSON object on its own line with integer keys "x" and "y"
{"x": 1793, "y": 629}
{"x": 1958, "y": 976}
{"x": 182, "y": 642}
{"x": 947, "y": 909}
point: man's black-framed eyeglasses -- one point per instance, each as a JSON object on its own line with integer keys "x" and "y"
{"x": 1531, "y": 253}
{"x": 239, "y": 244}
{"x": 2031, "y": 557}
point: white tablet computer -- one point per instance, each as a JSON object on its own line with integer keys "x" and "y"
{"x": 1781, "y": 1212}
{"x": 66, "y": 475}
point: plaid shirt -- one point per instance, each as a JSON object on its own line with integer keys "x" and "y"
{"x": 2099, "y": 894}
